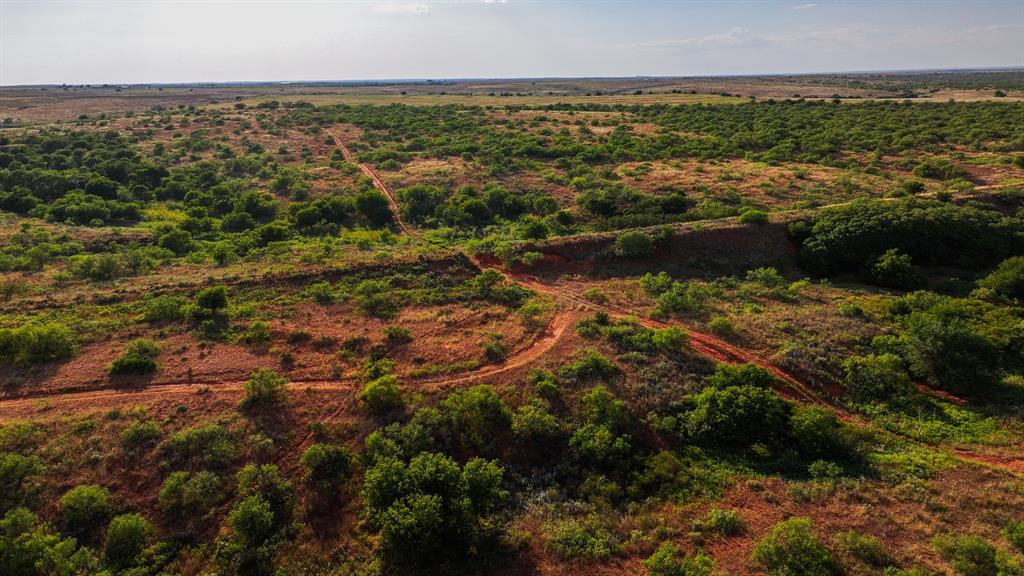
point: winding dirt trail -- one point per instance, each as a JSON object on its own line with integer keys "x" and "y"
{"x": 372, "y": 176}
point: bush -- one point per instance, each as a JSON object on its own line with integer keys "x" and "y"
{"x": 754, "y": 217}
{"x": 139, "y": 357}
{"x": 867, "y": 549}
{"x": 969, "y": 555}
{"x": 328, "y": 466}
{"x": 264, "y": 387}
{"x": 127, "y": 536}
{"x": 895, "y": 270}
{"x": 187, "y": 497}
{"x": 207, "y": 446}
{"x": 28, "y": 547}
{"x": 534, "y": 422}
{"x": 949, "y": 355}
{"x": 748, "y": 374}
{"x": 668, "y": 560}
{"x": 15, "y": 472}
{"x": 718, "y": 521}
{"x": 721, "y": 326}
{"x": 875, "y": 377}
{"x": 816, "y": 431}
{"x": 589, "y": 366}
{"x": 1014, "y": 532}
{"x": 84, "y": 508}
{"x": 178, "y": 241}
{"x": 791, "y": 549}
{"x": 671, "y": 340}
{"x": 265, "y": 481}
{"x": 165, "y": 309}
{"x": 382, "y": 395}
{"x": 252, "y": 520}
{"x": 256, "y": 334}
{"x": 736, "y": 416}
{"x": 139, "y": 434}
{"x": 1007, "y": 279}
{"x": 634, "y": 245}
{"x": 430, "y": 510}
{"x": 212, "y": 299}
{"x": 396, "y": 335}
{"x": 35, "y": 344}
{"x": 583, "y": 540}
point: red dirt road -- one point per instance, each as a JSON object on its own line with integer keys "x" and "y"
{"x": 373, "y": 176}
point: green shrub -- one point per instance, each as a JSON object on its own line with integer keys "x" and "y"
{"x": 792, "y": 549}
{"x": 28, "y": 547}
{"x": 583, "y": 539}
{"x": 748, "y": 374}
{"x": 634, "y": 245}
{"x": 1014, "y": 533}
{"x": 127, "y": 536}
{"x": 668, "y": 560}
{"x": 252, "y": 520}
{"x": 600, "y": 447}
{"x": 35, "y": 344}
{"x": 816, "y": 431}
{"x": 165, "y": 309}
{"x": 327, "y": 466}
{"x": 430, "y": 510}
{"x": 721, "y": 326}
{"x": 84, "y": 508}
{"x": 15, "y": 473}
{"x": 949, "y": 355}
{"x": 1007, "y": 279}
{"x": 265, "y": 480}
{"x": 139, "y": 433}
{"x": 264, "y": 387}
{"x": 865, "y": 548}
{"x": 754, "y": 216}
{"x": 895, "y": 270}
{"x": 969, "y": 555}
{"x": 718, "y": 521}
{"x": 875, "y": 377}
{"x": 671, "y": 340}
{"x": 139, "y": 357}
{"x": 212, "y": 299}
{"x": 256, "y": 334}
{"x": 534, "y": 422}
{"x": 382, "y": 395}
{"x": 186, "y": 497}
{"x": 205, "y": 446}
{"x": 590, "y": 365}
{"x": 396, "y": 335}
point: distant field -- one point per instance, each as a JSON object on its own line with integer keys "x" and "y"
{"x": 487, "y": 100}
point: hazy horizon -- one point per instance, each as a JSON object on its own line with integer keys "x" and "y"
{"x": 179, "y": 42}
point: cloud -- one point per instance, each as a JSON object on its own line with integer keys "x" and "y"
{"x": 410, "y": 8}
{"x": 804, "y": 6}
{"x": 743, "y": 38}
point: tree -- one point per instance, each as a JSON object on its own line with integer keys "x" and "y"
{"x": 791, "y": 549}
{"x": 374, "y": 206}
{"x": 214, "y": 298}
{"x": 84, "y": 508}
{"x": 252, "y": 520}
{"x": 668, "y": 560}
{"x": 949, "y": 355}
{"x": 139, "y": 357}
{"x": 875, "y": 377}
{"x": 753, "y": 216}
{"x": 895, "y": 270}
{"x": 15, "y": 472}
{"x": 748, "y": 374}
{"x": 127, "y": 536}
{"x": 382, "y": 395}
{"x": 736, "y": 415}
{"x": 178, "y": 241}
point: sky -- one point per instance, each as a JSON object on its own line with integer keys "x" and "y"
{"x": 142, "y": 41}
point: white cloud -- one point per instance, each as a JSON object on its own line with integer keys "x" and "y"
{"x": 804, "y": 6}
{"x": 410, "y": 8}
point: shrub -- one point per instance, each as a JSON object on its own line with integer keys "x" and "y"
{"x": 139, "y": 357}
{"x": 721, "y": 326}
{"x": 1014, "y": 532}
{"x": 668, "y": 560}
{"x": 736, "y": 415}
{"x": 865, "y": 548}
{"x": 534, "y": 422}
{"x": 969, "y": 555}
{"x": 186, "y": 497}
{"x": 875, "y": 377}
{"x": 430, "y": 510}
{"x": 127, "y": 536}
{"x": 178, "y": 241}
{"x": 257, "y": 333}
{"x": 83, "y": 508}
{"x": 589, "y": 366}
{"x": 671, "y": 340}
{"x": 754, "y": 217}
{"x": 583, "y": 540}
{"x": 816, "y": 431}
{"x": 475, "y": 419}
{"x": 265, "y": 481}
{"x": 207, "y": 446}
{"x": 718, "y": 521}
{"x": 35, "y": 344}
{"x": 212, "y": 299}
{"x": 327, "y": 465}
{"x": 28, "y": 547}
{"x": 895, "y": 270}
{"x": 1007, "y": 279}
{"x": 634, "y": 245}
{"x": 748, "y": 374}
{"x": 165, "y": 309}
{"x": 382, "y": 395}
{"x": 15, "y": 472}
{"x": 791, "y": 549}
{"x": 949, "y": 355}
{"x": 397, "y": 335}
{"x": 252, "y": 520}
{"x": 139, "y": 433}
{"x": 600, "y": 447}
{"x": 264, "y": 387}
